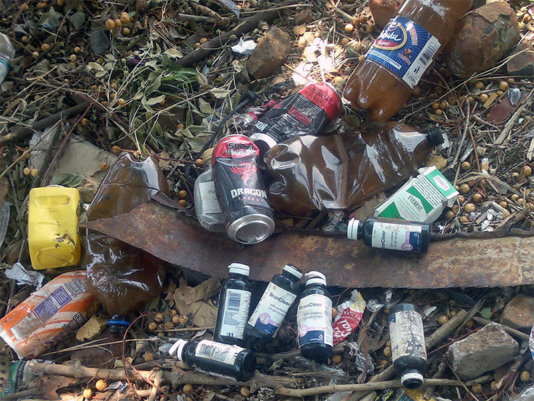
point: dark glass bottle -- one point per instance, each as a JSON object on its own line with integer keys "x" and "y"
{"x": 314, "y": 319}
{"x": 213, "y": 357}
{"x": 274, "y": 304}
{"x": 391, "y": 234}
{"x": 408, "y": 350}
{"x": 234, "y": 303}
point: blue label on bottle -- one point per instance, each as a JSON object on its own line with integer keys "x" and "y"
{"x": 405, "y": 48}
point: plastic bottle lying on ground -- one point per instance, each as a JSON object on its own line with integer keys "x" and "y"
{"x": 383, "y": 81}
{"x": 7, "y": 51}
{"x": 122, "y": 277}
{"x": 343, "y": 171}
{"x": 48, "y": 315}
{"x": 307, "y": 112}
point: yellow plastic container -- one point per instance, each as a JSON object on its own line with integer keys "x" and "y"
{"x": 53, "y": 227}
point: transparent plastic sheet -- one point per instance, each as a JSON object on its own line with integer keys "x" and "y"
{"x": 342, "y": 171}
{"x": 122, "y": 277}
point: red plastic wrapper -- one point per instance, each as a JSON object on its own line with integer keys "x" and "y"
{"x": 350, "y": 317}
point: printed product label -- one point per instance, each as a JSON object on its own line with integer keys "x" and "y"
{"x": 210, "y": 204}
{"x": 271, "y": 309}
{"x": 314, "y": 318}
{"x": 405, "y": 48}
{"x": 223, "y": 353}
{"x": 48, "y": 308}
{"x": 399, "y": 237}
{"x": 235, "y": 313}
{"x": 407, "y": 335}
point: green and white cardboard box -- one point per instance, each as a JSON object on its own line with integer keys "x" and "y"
{"x": 422, "y": 199}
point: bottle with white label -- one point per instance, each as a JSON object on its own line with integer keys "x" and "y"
{"x": 234, "y": 303}
{"x": 408, "y": 350}
{"x": 216, "y": 358}
{"x": 207, "y": 209}
{"x": 7, "y": 51}
{"x": 392, "y": 234}
{"x": 274, "y": 305}
{"x": 314, "y": 319}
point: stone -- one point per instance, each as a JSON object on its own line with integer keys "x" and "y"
{"x": 522, "y": 60}
{"x": 304, "y": 17}
{"x": 483, "y": 37}
{"x": 384, "y": 10}
{"x": 487, "y": 349}
{"x": 519, "y": 313}
{"x": 270, "y": 53}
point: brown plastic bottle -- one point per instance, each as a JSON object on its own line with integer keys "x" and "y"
{"x": 383, "y": 81}
{"x": 342, "y": 171}
{"x": 122, "y": 277}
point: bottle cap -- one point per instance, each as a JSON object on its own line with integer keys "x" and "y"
{"x": 412, "y": 380}
{"x": 118, "y": 324}
{"x": 315, "y": 277}
{"x": 178, "y": 349}
{"x": 352, "y": 229}
{"x": 434, "y": 136}
{"x": 239, "y": 268}
{"x": 293, "y": 270}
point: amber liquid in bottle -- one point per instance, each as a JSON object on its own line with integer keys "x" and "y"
{"x": 377, "y": 89}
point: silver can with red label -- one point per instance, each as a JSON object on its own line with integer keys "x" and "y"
{"x": 240, "y": 190}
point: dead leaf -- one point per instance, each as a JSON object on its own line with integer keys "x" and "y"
{"x": 437, "y": 160}
{"x": 202, "y": 313}
{"x": 50, "y": 385}
{"x": 201, "y": 292}
{"x": 91, "y": 328}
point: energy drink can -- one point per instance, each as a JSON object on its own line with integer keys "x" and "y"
{"x": 240, "y": 191}
{"x": 307, "y": 112}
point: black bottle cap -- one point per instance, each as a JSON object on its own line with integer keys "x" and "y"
{"x": 434, "y": 136}
{"x": 118, "y": 324}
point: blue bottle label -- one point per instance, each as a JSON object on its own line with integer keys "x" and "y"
{"x": 405, "y": 48}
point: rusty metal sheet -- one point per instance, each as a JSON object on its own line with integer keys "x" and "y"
{"x": 177, "y": 239}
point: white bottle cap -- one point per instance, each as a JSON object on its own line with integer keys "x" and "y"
{"x": 352, "y": 229}
{"x": 315, "y": 277}
{"x": 178, "y": 349}
{"x": 239, "y": 268}
{"x": 412, "y": 380}
{"x": 293, "y": 270}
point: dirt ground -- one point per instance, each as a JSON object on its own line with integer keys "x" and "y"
{"x": 145, "y": 77}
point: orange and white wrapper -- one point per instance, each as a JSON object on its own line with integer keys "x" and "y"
{"x": 48, "y": 315}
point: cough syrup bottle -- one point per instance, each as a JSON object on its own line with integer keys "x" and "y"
{"x": 234, "y": 303}
{"x": 408, "y": 350}
{"x": 278, "y": 297}
{"x": 314, "y": 319}
{"x": 384, "y": 80}
{"x": 391, "y": 234}
{"x": 216, "y": 358}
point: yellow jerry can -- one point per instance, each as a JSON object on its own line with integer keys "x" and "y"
{"x": 53, "y": 237}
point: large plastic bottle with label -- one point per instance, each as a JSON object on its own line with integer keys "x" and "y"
{"x": 274, "y": 305}
{"x": 234, "y": 304}
{"x": 216, "y": 358}
{"x": 314, "y": 319}
{"x": 383, "y": 81}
